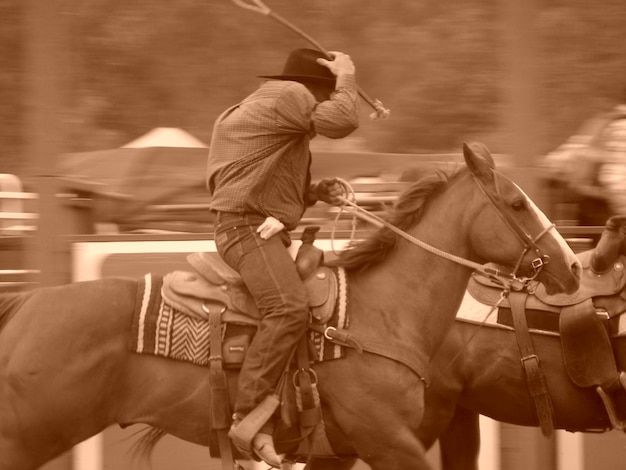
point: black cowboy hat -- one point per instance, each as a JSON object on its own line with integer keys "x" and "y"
{"x": 302, "y": 66}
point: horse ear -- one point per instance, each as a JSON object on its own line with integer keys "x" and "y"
{"x": 478, "y": 159}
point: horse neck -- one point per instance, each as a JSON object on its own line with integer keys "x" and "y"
{"x": 414, "y": 294}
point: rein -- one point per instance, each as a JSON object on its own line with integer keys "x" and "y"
{"x": 506, "y": 279}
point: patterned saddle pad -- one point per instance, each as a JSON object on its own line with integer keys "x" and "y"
{"x": 161, "y": 330}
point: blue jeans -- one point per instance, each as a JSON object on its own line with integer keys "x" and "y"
{"x": 270, "y": 275}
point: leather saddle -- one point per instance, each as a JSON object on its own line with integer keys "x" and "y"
{"x": 215, "y": 285}
{"x": 581, "y": 318}
{"x": 594, "y": 286}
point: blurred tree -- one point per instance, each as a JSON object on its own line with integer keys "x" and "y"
{"x": 437, "y": 65}
{"x": 10, "y": 85}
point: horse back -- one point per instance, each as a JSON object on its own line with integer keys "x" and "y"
{"x": 63, "y": 357}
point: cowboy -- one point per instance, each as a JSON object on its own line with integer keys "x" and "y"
{"x": 258, "y": 175}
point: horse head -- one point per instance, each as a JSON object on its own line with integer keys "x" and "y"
{"x": 510, "y": 230}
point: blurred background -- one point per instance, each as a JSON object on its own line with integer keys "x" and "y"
{"x": 444, "y": 69}
{"x": 540, "y": 83}
{"x": 79, "y": 77}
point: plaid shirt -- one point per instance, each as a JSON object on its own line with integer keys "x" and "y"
{"x": 259, "y": 158}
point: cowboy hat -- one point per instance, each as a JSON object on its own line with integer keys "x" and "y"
{"x": 302, "y": 66}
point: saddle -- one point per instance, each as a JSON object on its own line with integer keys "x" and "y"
{"x": 581, "y": 319}
{"x": 215, "y": 285}
{"x": 592, "y": 286}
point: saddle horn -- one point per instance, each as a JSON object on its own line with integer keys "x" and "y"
{"x": 608, "y": 248}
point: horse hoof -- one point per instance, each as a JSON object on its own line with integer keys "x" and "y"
{"x": 263, "y": 447}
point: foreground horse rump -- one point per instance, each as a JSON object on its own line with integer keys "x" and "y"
{"x": 66, "y": 372}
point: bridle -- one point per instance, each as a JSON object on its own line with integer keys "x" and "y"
{"x": 528, "y": 241}
{"x": 508, "y": 280}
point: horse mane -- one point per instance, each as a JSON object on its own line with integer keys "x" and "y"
{"x": 10, "y": 303}
{"x": 406, "y": 213}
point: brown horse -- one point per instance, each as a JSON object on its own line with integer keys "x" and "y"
{"x": 66, "y": 372}
{"x": 478, "y": 368}
{"x": 478, "y": 371}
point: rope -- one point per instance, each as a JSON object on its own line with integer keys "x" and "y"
{"x": 258, "y": 6}
{"x": 503, "y": 295}
{"x": 380, "y": 223}
{"x": 351, "y": 196}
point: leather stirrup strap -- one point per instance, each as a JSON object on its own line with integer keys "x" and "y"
{"x": 310, "y": 411}
{"x": 220, "y": 406}
{"x": 314, "y": 440}
{"x": 535, "y": 377}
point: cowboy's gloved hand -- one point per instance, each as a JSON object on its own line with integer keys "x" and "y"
{"x": 269, "y": 228}
{"x": 329, "y": 190}
{"x": 616, "y": 223}
{"x": 339, "y": 65}
{"x": 609, "y": 246}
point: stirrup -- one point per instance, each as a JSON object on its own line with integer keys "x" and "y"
{"x": 616, "y": 423}
{"x": 243, "y": 432}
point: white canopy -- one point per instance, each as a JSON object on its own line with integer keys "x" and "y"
{"x": 166, "y": 137}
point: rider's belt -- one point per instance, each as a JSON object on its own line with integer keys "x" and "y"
{"x": 226, "y": 220}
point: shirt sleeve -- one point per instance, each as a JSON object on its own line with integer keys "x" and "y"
{"x": 293, "y": 109}
{"x": 338, "y": 116}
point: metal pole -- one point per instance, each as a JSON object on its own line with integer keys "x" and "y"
{"x": 45, "y": 53}
{"x": 522, "y": 93}
{"x": 521, "y": 447}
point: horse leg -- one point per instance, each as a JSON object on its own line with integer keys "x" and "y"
{"x": 378, "y": 420}
{"x": 460, "y": 441}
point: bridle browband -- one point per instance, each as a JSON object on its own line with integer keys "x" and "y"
{"x": 508, "y": 279}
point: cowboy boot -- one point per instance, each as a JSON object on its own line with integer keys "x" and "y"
{"x": 248, "y": 433}
{"x": 263, "y": 447}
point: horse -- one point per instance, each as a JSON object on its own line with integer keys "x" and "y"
{"x": 67, "y": 371}
{"x": 478, "y": 369}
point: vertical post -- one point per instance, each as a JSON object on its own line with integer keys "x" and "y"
{"x": 522, "y": 89}
{"x": 523, "y": 448}
{"x": 44, "y": 82}
{"x": 45, "y": 72}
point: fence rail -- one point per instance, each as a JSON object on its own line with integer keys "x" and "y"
{"x": 19, "y": 220}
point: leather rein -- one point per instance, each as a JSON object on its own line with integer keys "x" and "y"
{"x": 507, "y": 279}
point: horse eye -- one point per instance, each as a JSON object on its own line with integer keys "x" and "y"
{"x": 518, "y": 205}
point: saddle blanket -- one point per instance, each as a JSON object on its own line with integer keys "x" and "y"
{"x": 161, "y": 330}
{"x": 474, "y": 311}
